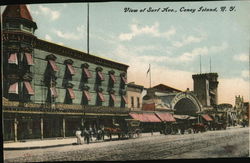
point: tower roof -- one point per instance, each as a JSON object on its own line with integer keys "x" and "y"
{"x": 17, "y": 11}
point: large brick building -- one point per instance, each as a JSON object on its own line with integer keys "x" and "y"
{"x": 49, "y": 90}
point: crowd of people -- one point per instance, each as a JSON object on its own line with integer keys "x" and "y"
{"x": 87, "y": 134}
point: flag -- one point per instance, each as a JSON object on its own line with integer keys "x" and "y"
{"x": 148, "y": 69}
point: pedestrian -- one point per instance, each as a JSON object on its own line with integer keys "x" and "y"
{"x": 78, "y": 136}
{"x": 91, "y": 133}
{"x": 86, "y": 135}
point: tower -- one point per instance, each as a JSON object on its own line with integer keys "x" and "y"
{"x": 205, "y": 87}
{"x": 17, "y": 56}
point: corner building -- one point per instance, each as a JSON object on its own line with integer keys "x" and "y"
{"x": 50, "y": 90}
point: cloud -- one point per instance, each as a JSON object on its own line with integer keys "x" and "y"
{"x": 241, "y": 57}
{"x": 53, "y": 14}
{"x": 190, "y": 56}
{"x": 79, "y": 34}
{"x": 47, "y": 37}
{"x": 148, "y": 30}
{"x": 188, "y": 40}
{"x": 245, "y": 73}
{"x": 228, "y": 88}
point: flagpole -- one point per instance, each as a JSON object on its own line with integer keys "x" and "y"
{"x": 88, "y": 28}
{"x": 150, "y": 75}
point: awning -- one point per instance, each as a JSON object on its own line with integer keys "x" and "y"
{"x": 100, "y": 95}
{"x": 53, "y": 92}
{"x": 53, "y": 65}
{"x": 71, "y": 69}
{"x": 87, "y": 72}
{"x": 207, "y": 117}
{"x": 124, "y": 79}
{"x": 113, "y": 97}
{"x": 71, "y": 93}
{"x": 125, "y": 99}
{"x": 13, "y": 59}
{"x": 13, "y": 88}
{"x": 181, "y": 116}
{"x": 145, "y": 117}
{"x": 29, "y": 59}
{"x": 29, "y": 88}
{"x": 87, "y": 95}
{"x": 112, "y": 76}
{"x": 166, "y": 117}
{"x": 100, "y": 75}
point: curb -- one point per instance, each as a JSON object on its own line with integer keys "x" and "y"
{"x": 36, "y": 147}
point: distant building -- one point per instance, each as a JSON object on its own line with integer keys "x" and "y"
{"x": 165, "y": 98}
{"x": 134, "y": 95}
{"x": 205, "y": 88}
{"x": 241, "y": 108}
{"x": 50, "y": 90}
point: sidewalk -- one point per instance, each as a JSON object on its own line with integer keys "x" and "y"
{"x": 57, "y": 142}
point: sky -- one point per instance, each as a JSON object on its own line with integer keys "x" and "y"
{"x": 176, "y": 44}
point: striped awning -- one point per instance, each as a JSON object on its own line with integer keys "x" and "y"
{"x": 87, "y": 95}
{"x": 101, "y": 97}
{"x": 29, "y": 88}
{"x": 13, "y": 59}
{"x": 112, "y": 97}
{"x": 145, "y": 117}
{"x": 125, "y": 99}
{"x": 71, "y": 93}
{"x": 166, "y": 117}
{"x": 29, "y": 59}
{"x": 112, "y": 76}
{"x": 71, "y": 69}
{"x": 207, "y": 117}
{"x": 87, "y": 73}
{"x": 53, "y": 65}
{"x": 100, "y": 75}
{"x": 13, "y": 88}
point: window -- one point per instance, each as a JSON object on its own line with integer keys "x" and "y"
{"x": 123, "y": 80}
{"x": 29, "y": 59}
{"x": 87, "y": 95}
{"x": 13, "y": 88}
{"x": 87, "y": 73}
{"x": 53, "y": 65}
{"x": 101, "y": 97}
{"x": 28, "y": 87}
{"x": 13, "y": 59}
{"x": 53, "y": 92}
{"x": 138, "y": 102}
{"x": 112, "y": 100}
{"x": 71, "y": 69}
{"x": 123, "y": 101}
{"x": 71, "y": 93}
{"x": 132, "y": 101}
{"x": 100, "y": 76}
{"x": 112, "y": 79}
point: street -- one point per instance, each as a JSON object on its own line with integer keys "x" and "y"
{"x": 233, "y": 142}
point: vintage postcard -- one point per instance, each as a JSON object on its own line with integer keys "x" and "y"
{"x": 123, "y": 81}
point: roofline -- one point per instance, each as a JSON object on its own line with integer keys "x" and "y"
{"x": 75, "y": 53}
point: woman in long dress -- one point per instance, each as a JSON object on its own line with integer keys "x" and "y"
{"x": 78, "y": 136}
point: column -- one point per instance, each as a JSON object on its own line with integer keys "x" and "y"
{"x": 41, "y": 128}
{"x": 15, "y": 129}
{"x": 63, "y": 127}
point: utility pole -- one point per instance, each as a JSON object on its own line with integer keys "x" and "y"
{"x": 88, "y": 28}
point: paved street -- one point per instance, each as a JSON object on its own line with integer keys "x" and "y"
{"x": 233, "y": 142}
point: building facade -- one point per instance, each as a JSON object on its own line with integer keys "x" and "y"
{"x": 50, "y": 90}
{"x": 205, "y": 88}
{"x": 134, "y": 94}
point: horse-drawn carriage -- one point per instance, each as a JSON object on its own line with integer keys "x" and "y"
{"x": 128, "y": 128}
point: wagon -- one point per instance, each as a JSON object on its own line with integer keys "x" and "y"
{"x": 128, "y": 128}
